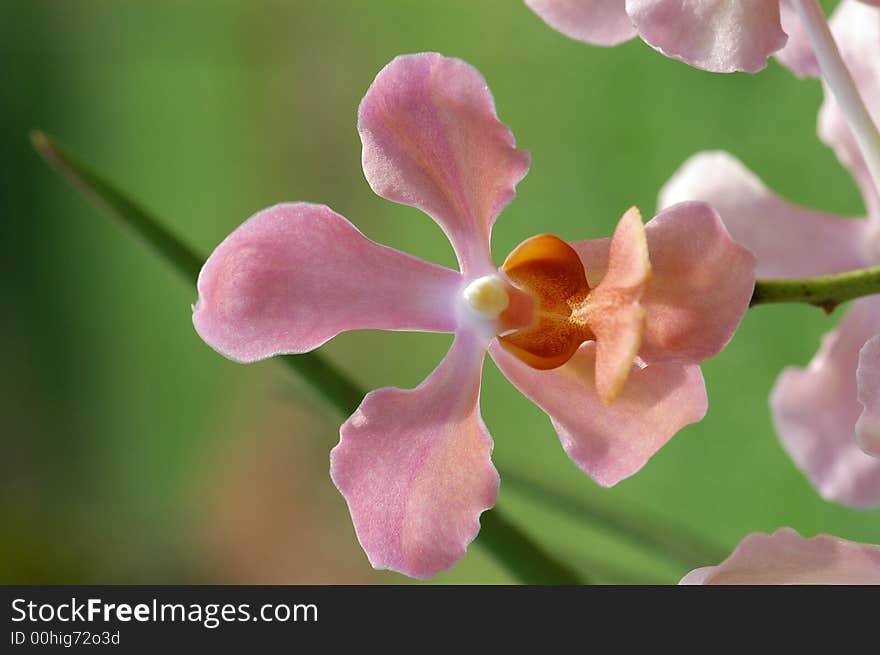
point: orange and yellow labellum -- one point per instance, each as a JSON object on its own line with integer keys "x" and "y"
{"x": 566, "y": 312}
{"x": 549, "y": 270}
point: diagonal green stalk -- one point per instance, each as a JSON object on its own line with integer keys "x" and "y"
{"x": 657, "y": 535}
{"x": 333, "y": 386}
{"x": 521, "y": 556}
{"x": 118, "y": 206}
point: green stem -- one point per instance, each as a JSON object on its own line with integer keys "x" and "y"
{"x": 825, "y": 291}
{"x": 119, "y": 207}
{"x": 333, "y": 386}
{"x": 657, "y": 535}
{"x": 520, "y": 555}
{"x": 512, "y": 548}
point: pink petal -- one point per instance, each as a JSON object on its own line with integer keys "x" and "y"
{"x": 612, "y": 309}
{"x": 432, "y": 140}
{"x": 610, "y": 443}
{"x": 782, "y": 236}
{"x": 798, "y": 53}
{"x": 599, "y": 22}
{"x": 701, "y": 284}
{"x": 716, "y": 35}
{"x": 856, "y": 28}
{"x": 415, "y": 468}
{"x": 785, "y": 557}
{"x": 868, "y": 378}
{"x": 293, "y": 276}
{"x": 815, "y": 411}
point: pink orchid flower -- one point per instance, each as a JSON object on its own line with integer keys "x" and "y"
{"x": 815, "y": 409}
{"x": 721, "y": 36}
{"x": 785, "y": 558}
{"x": 576, "y": 327}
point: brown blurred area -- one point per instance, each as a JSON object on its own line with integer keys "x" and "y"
{"x": 263, "y": 508}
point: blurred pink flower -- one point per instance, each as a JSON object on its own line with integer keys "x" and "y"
{"x": 785, "y": 557}
{"x": 565, "y": 323}
{"x": 815, "y": 409}
{"x": 721, "y": 36}
{"x": 868, "y": 383}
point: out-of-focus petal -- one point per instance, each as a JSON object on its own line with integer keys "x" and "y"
{"x": 613, "y": 311}
{"x": 294, "y": 275}
{"x": 868, "y": 378}
{"x": 414, "y": 466}
{"x": 785, "y": 557}
{"x": 856, "y": 28}
{"x": 610, "y": 443}
{"x": 599, "y": 22}
{"x": 797, "y": 55}
{"x": 716, "y": 35}
{"x": 815, "y": 410}
{"x": 431, "y": 139}
{"x": 788, "y": 241}
{"x": 700, "y": 288}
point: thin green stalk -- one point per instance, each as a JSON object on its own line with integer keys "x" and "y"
{"x": 520, "y": 555}
{"x": 825, "y": 291}
{"x": 119, "y": 207}
{"x": 333, "y": 386}
{"x": 511, "y": 547}
{"x": 657, "y": 535}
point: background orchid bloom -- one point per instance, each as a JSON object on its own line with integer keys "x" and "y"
{"x": 721, "y": 36}
{"x": 868, "y": 382}
{"x": 815, "y": 409}
{"x": 785, "y": 557}
{"x": 565, "y": 323}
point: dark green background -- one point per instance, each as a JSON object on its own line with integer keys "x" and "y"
{"x": 132, "y": 453}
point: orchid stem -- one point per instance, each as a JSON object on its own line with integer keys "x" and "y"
{"x": 825, "y": 291}
{"x": 519, "y": 554}
{"x": 333, "y": 386}
{"x": 525, "y": 560}
{"x": 841, "y": 83}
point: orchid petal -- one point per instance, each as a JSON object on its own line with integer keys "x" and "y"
{"x": 868, "y": 379}
{"x": 610, "y": 443}
{"x": 797, "y": 55}
{"x": 856, "y": 28}
{"x": 815, "y": 410}
{"x": 716, "y": 35}
{"x": 701, "y": 283}
{"x": 295, "y": 275}
{"x": 785, "y": 557}
{"x": 415, "y": 468}
{"x": 612, "y": 310}
{"x": 782, "y": 236}
{"x": 599, "y": 22}
{"x": 431, "y": 139}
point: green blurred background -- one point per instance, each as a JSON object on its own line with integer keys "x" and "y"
{"x": 132, "y": 453}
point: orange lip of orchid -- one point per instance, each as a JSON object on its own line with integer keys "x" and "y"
{"x": 551, "y": 271}
{"x": 567, "y": 312}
